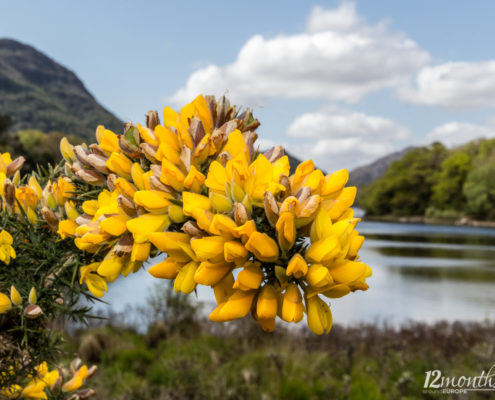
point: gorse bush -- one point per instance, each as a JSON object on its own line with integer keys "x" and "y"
{"x": 268, "y": 243}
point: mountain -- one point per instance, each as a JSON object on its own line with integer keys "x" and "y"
{"x": 39, "y": 93}
{"x": 366, "y": 174}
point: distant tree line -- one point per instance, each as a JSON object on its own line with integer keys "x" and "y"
{"x": 36, "y": 146}
{"x": 437, "y": 182}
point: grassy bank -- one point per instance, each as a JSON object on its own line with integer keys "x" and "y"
{"x": 202, "y": 360}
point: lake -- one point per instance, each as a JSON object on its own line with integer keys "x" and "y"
{"x": 420, "y": 273}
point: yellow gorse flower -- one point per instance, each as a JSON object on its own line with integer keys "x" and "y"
{"x": 193, "y": 186}
{"x": 7, "y": 252}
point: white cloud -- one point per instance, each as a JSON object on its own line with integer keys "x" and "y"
{"x": 344, "y": 138}
{"x": 338, "y": 57}
{"x": 456, "y": 133}
{"x": 457, "y": 85}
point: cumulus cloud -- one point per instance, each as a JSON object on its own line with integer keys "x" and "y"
{"x": 457, "y": 85}
{"x": 335, "y": 137}
{"x": 456, "y": 133}
{"x": 338, "y": 57}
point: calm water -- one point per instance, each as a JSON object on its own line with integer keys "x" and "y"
{"x": 420, "y": 272}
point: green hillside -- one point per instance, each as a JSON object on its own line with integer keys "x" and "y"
{"x": 437, "y": 182}
{"x": 38, "y": 93}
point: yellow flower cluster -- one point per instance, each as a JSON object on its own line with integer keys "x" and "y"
{"x": 52, "y": 201}
{"x": 228, "y": 217}
{"x": 46, "y": 382}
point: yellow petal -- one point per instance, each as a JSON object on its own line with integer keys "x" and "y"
{"x": 263, "y": 247}
{"x": 236, "y": 306}
{"x": 250, "y": 277}
{"x": 194, "y": 201}
{"x": 184, "y": 282}
{"x": 142, "y": 226}
{"x": 297, "y": 266}
{"x": 167, "y": 269}
{"x": 267, "y": 305}
{"x": 210, "y": 274}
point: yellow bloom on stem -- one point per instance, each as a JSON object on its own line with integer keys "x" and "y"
{"x": 286, "y": 230}
{"x": 142, "y": 226}
{"x": 297, "y": 266}
{"x": 172, "y": 176}
{"x": 292, "y": 306}
{"x": 5, "y": 303}
{"x": 267, "y": 305}
{"x": 194, "y": 180}
{"x": 15, "y": 296}
{"x": 335, "y": 182}
{"x": 175, "y": 244}
{"x": 234, "y": 251}
{"x": 236, "y": 306}
{"x": 120, "y": 164}
{"x": 176, "y": 213}
{"x": 140, "y": 251}
{"x": 184, "y": 282}
{"x": 194, "y": 201}
{"x": 323, "y": 250}
{"x": 263, "y": 247}
{"x": 336, "y": 291}
{"x": 125, "y": 187}
{"x": 167, "y": 269}
{"x": 97, "y": 285}
{"x": 35, "y": 389}
{"x": 115, "y": 225}
{"x": 77, "y": 380}
{"x": 345, "y": 271}
{"x": 319, "y": 315}
{"x": 154, "y": 201}
{"x": 107, "y": 140}
{"x": 223, "y": 226}
{"x": 7, "y": 252}
{"x": 220, "y": 201}
{"x": 210, "y": 274}
{"x": 250, "y": 277}
{"x": 318, "y": 276}
{"x": 209, "y": 248}
{"x": 111, "y": 267}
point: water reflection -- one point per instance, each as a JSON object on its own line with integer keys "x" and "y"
{"x": 420, "y": 272}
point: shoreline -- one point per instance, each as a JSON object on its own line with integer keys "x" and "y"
{"x": 418, "y": 219}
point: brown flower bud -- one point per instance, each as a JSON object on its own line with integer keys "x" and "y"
{"x": 83, "y": 219}
{"x": 95, "y": 149}
{"x": 32, "y": 311}
{"x": 82, "y": 155}
{"x": 192, "y": 229}
{"x": 50, "y": 217}
{"x": 88, "y": 175}
{"x": 303, "y": 193}
{"x": 284, "y": 180}
{"x": 186, "y": 158}
{"x": 9, "y": 192}
{"x": 149, "y": 151}
{"x": 55, "y": 388}
{"x": 124, "y": 245}
{"x": 250, "y": 137}
{"x": 157, "y": 170}
{"x": 224, "y": 156}
{"x": 111, "y": 181}
{"x": 15, "y": 166}
{"x": 127, "y": 206}
{"x": 152, "y": 119}
{"x": 128, "y": 147}
{"x": 308, "y": 207}
{"x": 196, "y": 130}
{"x": 271, "y": 208}
{"x": 274, "y": 153}
{"x": 241, "y": 214}
{"x": 98, "y": 162}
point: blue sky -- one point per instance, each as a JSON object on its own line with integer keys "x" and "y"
{"x": 341, "y": 82}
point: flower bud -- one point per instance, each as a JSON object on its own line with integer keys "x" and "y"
{"x": 66, "y": 149}
{"x": 33, "y": 297}
{"x": 274, "y": 153}
{"x": 82, "y": 155}
{"x": 15, "y": 166}
{"x": 32, "y": 311}
{"x": 98, "y": 162}
{"x": 152, "y": 119}
{"x": 50, "y": 217}
{"x": 241, "y": 214}
{"x": 15, "y": 296}
{"x": 9, "y": 192}
{"x": 271, "y": 208}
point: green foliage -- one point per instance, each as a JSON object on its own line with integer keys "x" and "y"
{"x": 437, "y": 183}
{"x": 406, "y": 187}
{"x": 363, "y": 362}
